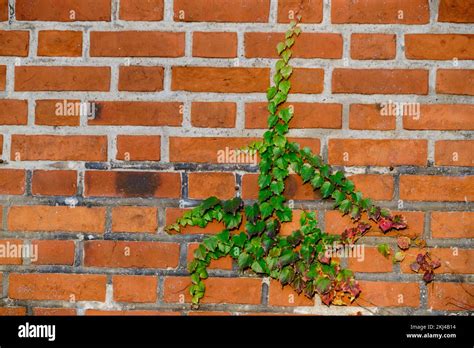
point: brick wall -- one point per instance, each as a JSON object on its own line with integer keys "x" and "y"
{"x": 173, "y": 82}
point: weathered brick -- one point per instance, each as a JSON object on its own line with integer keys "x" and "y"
{"x": 138, "y": 148}
{"x": 172, "y": 214}
{"x": 137, "y": 113}
{"x": 55, "y": 43}
{"x": 57, "y": 287}
{"x": 141, "y": 10}
{"x": 220, "y": 80}
{"x": 455, "y": 81}
{"x": 218, "y": 290}
{"x": 14, "y": 43}
{"x": 380, "y": 81}
{"x": 59, "y": 148}
{"x": 12, "y": 181}
{"x": 37, "y": 218}
{"x": 40, "y": 311}
{"x": 456, "y": 11}
{"x": 442, "y": 117}
{"x": 437, "y": 188}
{"x": 373, "y": 46}
{"x": 439, "y": 46}
{"x": 388, "y": 294}
{"x": 65, "y": 11}
{"x": 308, "y": 45}
{"x": 137, "y": 289}
{"x": 378, "y": 12}
{"x": 371, "y": 261}
{"x": 136, "y": 44}
{"x": 213, "y": 114}
{"x": 374, "y": 186}
{"x": 11, "y": 258}
{"x": 221, "y": 11}
{"x": 54, "y": 182}
{"x": 124, "y": 254}
{"x": 377, "y": 152}
{"x": 132, "y": 184}
{"x": 454, "y": 153}
{"x": 57, "y": 112}
{"x": 141, "y": 78}
{"x": 54, "y": 252}
{"x": 134, "y": 219}
{"x": 453, "y": 260}
{"x": 306, "y": 115}
{"x": 311, "y": 11}
{"x": 13, "y": 112}
{"x": 452, "y": 224}
{"x": 215, "y": 45}
{"x": 286, "y": 296}
{"x": 451, "y": 296}
{"x": 221, "y": 185}
{"x": 368, "y": 116}
{"x": 62, "y": 78}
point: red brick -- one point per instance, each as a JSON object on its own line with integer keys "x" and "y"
{"x": 371, "y": 262}
{"x": 294, "y": 188}
{"x": 98, "y": 312}
{"x": 286, "y": 296}
{"x": 439, "y": 46}
{"x": 54, "y": 312}
{"x": 141, "y": 10}
{"x": 374, "y": 186}
{"x": 220, "y": 80}
{"x": 12, "y": 181}
{"x": 380, "y": 81}
{"x": 442, "y": 117}
{"x": 287, "y": 228}
{"x": 138, "y": 148}
{"x": 213, "y": 114}
{"x": 37, "y": 218}
{"x": 62, "y": 78}
{"x": 137, "y": 113}
{"x": 455, "y": 81}
{"x": 222, "y": 263}
{"x": 172, "y": 214}
{"x": 203, "y": 150}
{"x": 437, "y": 188}
{"x": 55, "y": 43}
{"x": 311, "y": 11}
{"x": 221, "y": 11}
{"x": 452, "y": 224}
{"x": 51, "y": 10}
{"x": 388, "y": 294}
{"x": 368, "y": 116}
{"x": 11, "y": 311}
{"x": 3, "y": 77}
{"x": 306, "y": 115}
{"x": 49, "y": 112}
{"x": 13, "y": 112}
{"x": 3, "y": 10}
{"x": 456, "y": 11}
{"x": 134, "y": 219}
{"x": 141, "y": 78}
{"x": 378, "y": 12}
{"x": 307, "y": 81}
{"x": 454, "y": 153}
{"x": 208, "y": 313}
{"x": 137, "y": 289}
{"x": 10, "y": 258}
{"x": 453, "y": 260}
{"x": 451, "y": 296}
{"x": 14, "y": 43}
{"x": 218, "y": 290}
{"x": 336, "y": 224}
{"x": 54, "y": 182}
{"x": 308, "y": 45}
{"x": 385, "y": 152}
{"x": 136, "y": 44}
{"x": 203, "y": 185}
{"x": 54, "y": 252}
{"x": 59, "y": 148}
{"x": 57, "y": 287}
{"x": 373, "y": 46}
{"x": 132, "y": 184}
{"x": 214, "y": 45}
{"x": 122, "y": 254}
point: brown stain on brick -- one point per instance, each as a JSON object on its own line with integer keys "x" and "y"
{"x": 136, "y": 184}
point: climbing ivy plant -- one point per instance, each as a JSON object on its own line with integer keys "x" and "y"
{"x": 299, "y": 259}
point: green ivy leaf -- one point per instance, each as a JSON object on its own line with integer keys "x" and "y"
{"x": 286, "y": 71}
{"x": 271, "y": 92}
{"x": 286, "y": 275}
{"x": 286, "y": 55}
{"x": 200, "y": 253}
{"x": 263, "y": 195}
{"x": 266, "y": 209}
{"x": 326, "y": 189}
{"x": 258, "y": 266}
{"x": 252, "y": 212}
{"x": 345, "y": 206}
{"x": 285, "y": 86}
{"x": 323, "y": 285}
{"x": 277, "y": 187}
{"x": 210, "y": 243}
{"x": 244, "y": 260}
{"x": 289, "y": 42}
{"x": 272, "y": 120}
{"x": 281, "y": 47}
{"x": 285, "y": 115}
{"x": 338, "y": 196}
{"x": 232, "y": 205}
{"x": 232, "y": 221}
{"x": 286, "y": 215}
{"x": 317, "y": 181}
{"x": 307, "y": 173}
{"x": 264, "y": 180}
{"x": 280, "y": 64}
{"x": 384, "y": 249}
